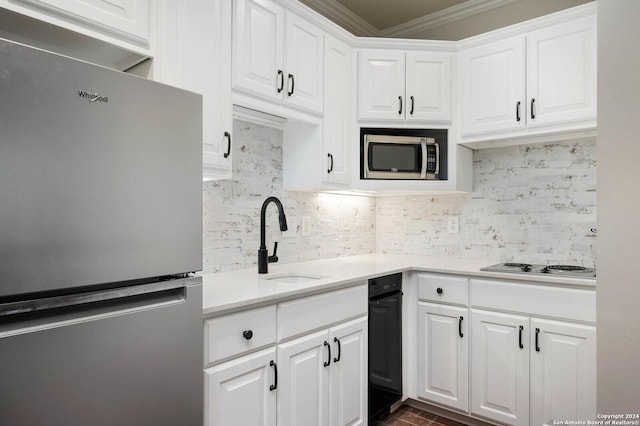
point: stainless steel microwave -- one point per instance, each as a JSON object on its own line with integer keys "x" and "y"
{"x": 400, "y": 157}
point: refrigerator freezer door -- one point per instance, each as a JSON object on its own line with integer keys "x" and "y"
{"x": 100, "y": 175}
{"x": 131, "y": 361}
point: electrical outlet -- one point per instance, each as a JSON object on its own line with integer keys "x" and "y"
{"x": 306, "y": 226}
{"x": 453, "y": 224}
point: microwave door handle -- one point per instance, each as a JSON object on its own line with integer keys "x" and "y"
{"x": 437, "y": 172}
{"x": 423, "y": 171}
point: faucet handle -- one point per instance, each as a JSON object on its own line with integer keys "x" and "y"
{"x": 273, "y": 258}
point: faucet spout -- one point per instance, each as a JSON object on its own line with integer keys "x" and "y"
{"x": 263, "y": 254}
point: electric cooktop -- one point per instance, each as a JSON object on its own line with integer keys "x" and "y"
{"x": 527, "y": 268}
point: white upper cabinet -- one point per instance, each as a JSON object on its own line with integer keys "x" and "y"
{"x": 267, "y": 67}
{"x": 381, "y": 85}
{"x": 540, "y": 82}
{"x": 561, "y": 73}
{"x": 124, "y": 19}
{"x": 337, "y": 123}
{"x": 204, "y": 66}
{"x": 398, "y": 86}
{"x": 492, "y": 89}
{"x": 428, "y": 86}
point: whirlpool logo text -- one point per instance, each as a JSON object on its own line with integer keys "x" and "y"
{"x": 93, "y": 96}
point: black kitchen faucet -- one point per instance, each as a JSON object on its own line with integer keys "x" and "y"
{"x": 263, "y": 254}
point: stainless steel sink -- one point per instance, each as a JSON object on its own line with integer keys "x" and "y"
{"x": 293, "y": 277}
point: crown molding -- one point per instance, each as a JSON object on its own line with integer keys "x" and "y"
{"x": 343, "y": 17}
{"x": 454, "y": 13}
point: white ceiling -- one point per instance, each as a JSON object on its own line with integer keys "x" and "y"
{"x": 432, "y": 19}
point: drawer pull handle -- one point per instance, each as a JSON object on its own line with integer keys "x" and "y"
{"x": 520, "y": 337}
{"x": 537, "y": 346}
{"x": 439, "y": 290}
{"x": 274, "y": 386}
{"x": 247, "y": 334}
{"x": 460, "y": 327}
{"x": 337, "y": 359}
{"x": 328, "y": 361}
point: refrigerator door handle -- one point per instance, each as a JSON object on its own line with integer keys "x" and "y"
{"x": 175, "y": 288}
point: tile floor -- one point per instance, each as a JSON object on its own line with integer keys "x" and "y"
{"x": 409, "y": 416}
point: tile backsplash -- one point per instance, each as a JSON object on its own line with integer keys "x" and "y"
{"x": 533, "y": 203}
{"x": 320, "y": 225}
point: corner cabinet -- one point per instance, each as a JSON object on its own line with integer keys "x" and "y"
{"x": 203, "y": 52}
{"x": 277, "y": 55}
{"x": 404, "y": 86}
{"x": 540, "y": 82}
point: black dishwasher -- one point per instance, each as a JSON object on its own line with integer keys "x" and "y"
{"x": 385, "y": 344}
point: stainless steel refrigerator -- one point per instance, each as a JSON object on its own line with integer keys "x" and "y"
{"x": 100, "y": 233}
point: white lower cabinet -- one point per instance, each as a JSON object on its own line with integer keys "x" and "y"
{"x": 242, "y": 391}
{"x": 443, "y": 355}
{"x": 312, "y": 372}
{"x": 500, "y": 367}
{"x": 323, "y": 377}
{"x": 563, "y": 366}
{"x": 529, "y": 371}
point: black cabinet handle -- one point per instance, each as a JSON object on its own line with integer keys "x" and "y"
{"x": 439, "y": 290}
{"x": 228, "y": 136}
{"x": 293, "y": 82}
{"x": 330, "y": 169}
{"x": 337, "y": 359}
{"x": 274, "y": 386}
{"x": 412, "y": 105}
{"x": 520, "y": 338}
{"x": 247, "y": 334}
{"x": 537, "y": 346}
{"x": 533, "y": 114}
{"x": 460, "y": 327}
{"x": 281, "y": 78}
{"x": 400, "y": 110}
{"x": 328, "y": 361}
{"x": 518, "y": 111}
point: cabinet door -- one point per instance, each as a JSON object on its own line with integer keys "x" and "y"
{"x": 258, "y": 43}
{"x": 443, "y": 350}
{"x": 428, "y": 86}
{"x": 238, "y": 392}
{"x": 128, "y": 19}
{"x": 303, "y": 385}
{"x": 493, "y": 87}
{"x": 304, "y": 57}
{"x": 338, "y": 117}
{"x": 563, "y": 371}
{"x": 381, "y": 85}
{"x": 500, "y": 367}
{"x": 204, "y": 66}
{"x": 561, "y": 73}
{"x": 348, "y": 373}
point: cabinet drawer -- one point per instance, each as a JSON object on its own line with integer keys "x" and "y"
{"x": 540, "y": 300}
{"x": 231, "y": 335}
{"x": 315, "y": 312}
{"x": 443, "y": 289}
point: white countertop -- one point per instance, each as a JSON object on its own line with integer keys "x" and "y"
{"x": 230, "y": 291}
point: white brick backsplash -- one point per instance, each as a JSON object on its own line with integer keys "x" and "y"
{"x": 532, "y": 203}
